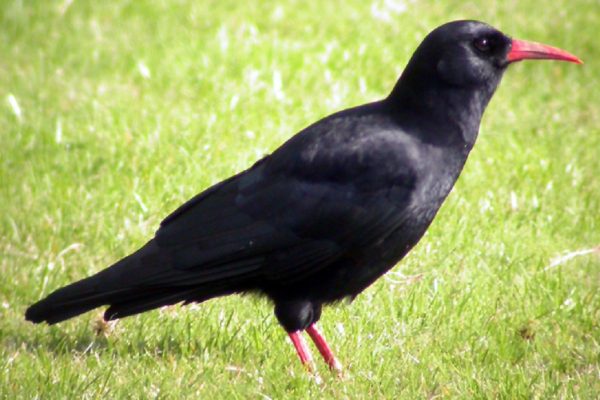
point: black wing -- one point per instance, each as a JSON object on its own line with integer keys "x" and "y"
{"x": 292, "y": 214}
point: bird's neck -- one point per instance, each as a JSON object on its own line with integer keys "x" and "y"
{"x": 440, "y": 113}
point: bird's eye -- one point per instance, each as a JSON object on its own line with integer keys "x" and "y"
{"x": 482, "y": 44}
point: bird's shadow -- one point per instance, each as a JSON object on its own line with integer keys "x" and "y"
{"x": 109, "y": 340}
{"x": 64, "y": 343}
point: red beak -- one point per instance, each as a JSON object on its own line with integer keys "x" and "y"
{"x": 522, "y": 50}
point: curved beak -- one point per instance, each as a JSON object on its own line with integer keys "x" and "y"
{"x": 522, "y": 50}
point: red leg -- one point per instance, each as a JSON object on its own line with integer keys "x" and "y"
{"x": 302, "y": 349}
{"x": 324, "y": 348}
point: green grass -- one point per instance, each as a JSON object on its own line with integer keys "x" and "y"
{"x": 129, "y": 108}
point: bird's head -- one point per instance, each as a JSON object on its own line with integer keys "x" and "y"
{"x": 472, "y": 53}
{"x": 455, "y": 70}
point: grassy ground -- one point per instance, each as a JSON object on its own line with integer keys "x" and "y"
{"x": 113, "y": 113}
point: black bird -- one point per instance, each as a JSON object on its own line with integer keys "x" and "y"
{"x": 331, "y": 210}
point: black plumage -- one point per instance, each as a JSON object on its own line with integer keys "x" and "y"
{"x": 327, "y": 213}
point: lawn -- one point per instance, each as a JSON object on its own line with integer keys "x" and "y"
{"x": 114, "y": 113}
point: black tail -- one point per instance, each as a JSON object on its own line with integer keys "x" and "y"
{"x": 69, "y": 302}
{"x": 120, "y": 286}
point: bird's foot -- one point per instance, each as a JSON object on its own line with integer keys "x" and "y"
{"x": 325, "y": 350}
{"x": 302, "y": 350}
{"x": 306, "y": 356}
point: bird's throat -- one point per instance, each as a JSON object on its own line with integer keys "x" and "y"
{"x": 446, "y": 115}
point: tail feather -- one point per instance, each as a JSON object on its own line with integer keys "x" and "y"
{"x": 120, "y": 286}
{"x": 149, "y": 300}
{"x": 82, "y": 296}
{"x": 61, "y": 306}
{"x": 145, "y": 302}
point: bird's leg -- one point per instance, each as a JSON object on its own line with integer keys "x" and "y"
{"x": 324, "y": 348}
{"x": 302, "y": 350}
